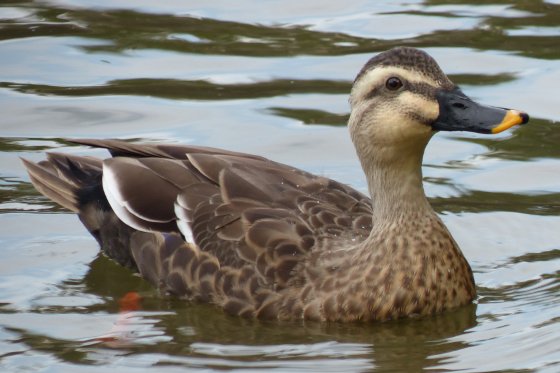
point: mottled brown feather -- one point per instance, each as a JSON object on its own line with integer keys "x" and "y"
{"x": 239, "y": 210}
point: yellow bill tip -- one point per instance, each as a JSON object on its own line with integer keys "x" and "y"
{"x": 512, "y": 118}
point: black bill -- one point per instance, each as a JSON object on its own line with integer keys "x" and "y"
{"x": 457, "y": 112}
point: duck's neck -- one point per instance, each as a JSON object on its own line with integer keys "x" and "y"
{"x": 395, "y": 184}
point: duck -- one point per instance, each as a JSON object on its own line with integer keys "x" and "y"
{"x": 265, "y": 240}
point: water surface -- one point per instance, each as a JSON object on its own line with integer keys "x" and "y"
{"x": 272, "y": 78}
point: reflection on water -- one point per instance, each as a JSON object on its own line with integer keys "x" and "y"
{"x": 272, "y": 78}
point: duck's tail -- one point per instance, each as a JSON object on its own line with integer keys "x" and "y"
{"x": 75, "y": 182}
{"x": 62, "y": 177}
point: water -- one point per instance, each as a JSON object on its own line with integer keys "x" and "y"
{"x": 272, "y": 78}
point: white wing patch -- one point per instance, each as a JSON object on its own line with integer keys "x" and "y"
{"x": 183, "y": 221}
{"x": 110, "y": 183}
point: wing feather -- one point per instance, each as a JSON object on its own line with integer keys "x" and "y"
{"x": 240, "y": 209}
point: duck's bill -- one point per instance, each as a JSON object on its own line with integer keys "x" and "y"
{"x": 457, "y": 112}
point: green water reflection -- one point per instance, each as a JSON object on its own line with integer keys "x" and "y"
{"x": 124, "y": 30}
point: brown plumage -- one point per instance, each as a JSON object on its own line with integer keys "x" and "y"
{"x": 262, "y": 239}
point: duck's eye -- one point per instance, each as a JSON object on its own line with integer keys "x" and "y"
{"x": 393, "y": 83}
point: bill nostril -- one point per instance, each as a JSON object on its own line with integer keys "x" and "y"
{"x": 459, "y": 105}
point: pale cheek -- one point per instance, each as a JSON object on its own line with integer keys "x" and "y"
{"x": 401, "y": 129}
{"x": 428, "y": 109}
{"x": 396, "y": 126}
{"x": 395, "y": 122}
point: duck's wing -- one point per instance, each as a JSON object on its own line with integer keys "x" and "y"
{"x": 237, "y": 207}
{"x": 119, "y": 148}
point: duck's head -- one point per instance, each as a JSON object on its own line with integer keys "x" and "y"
{"x": 401, "y": 97}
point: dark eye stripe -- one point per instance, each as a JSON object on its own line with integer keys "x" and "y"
{"x": 423, "y": 89}
{"x": 374, "y": 92}
{"x": 419, "y": 118}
